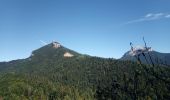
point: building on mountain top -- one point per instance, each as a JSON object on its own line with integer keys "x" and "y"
{"x": 56, "y": 45}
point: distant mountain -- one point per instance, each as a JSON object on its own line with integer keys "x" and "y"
{"x": 54, "y": 72}
{"x": 157, "y": 57}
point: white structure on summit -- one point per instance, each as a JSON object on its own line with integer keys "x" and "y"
{"x": 56, "y": 45}
{"x": 67, "y": 54}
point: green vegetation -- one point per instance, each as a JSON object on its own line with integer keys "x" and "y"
{"x": 48, "y": 75}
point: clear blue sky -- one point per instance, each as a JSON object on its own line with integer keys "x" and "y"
{"x": 96, "y": 27}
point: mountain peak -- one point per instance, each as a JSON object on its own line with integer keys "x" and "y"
{"x": 53, "y": 51}
{"x": 157, "y": 57}
{"x": 137, "y": 50}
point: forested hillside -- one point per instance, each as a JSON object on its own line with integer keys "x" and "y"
{"x": 48, "y": 75}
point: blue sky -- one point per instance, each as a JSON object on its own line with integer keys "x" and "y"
{"x": 96, "y": 27}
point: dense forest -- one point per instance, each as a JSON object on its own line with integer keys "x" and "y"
{"x": 48, "y": 75}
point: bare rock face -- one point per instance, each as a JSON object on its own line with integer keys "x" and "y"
{"x": 139, "y": 50}
{"x": 56, "y": 45}
{"x": 68, "y": 55}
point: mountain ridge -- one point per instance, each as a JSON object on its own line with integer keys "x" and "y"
{"x": 157, "y": 57}
{"x": 48, "y": 75}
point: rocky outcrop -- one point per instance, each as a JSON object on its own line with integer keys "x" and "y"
{"x": 67, "y": 54}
